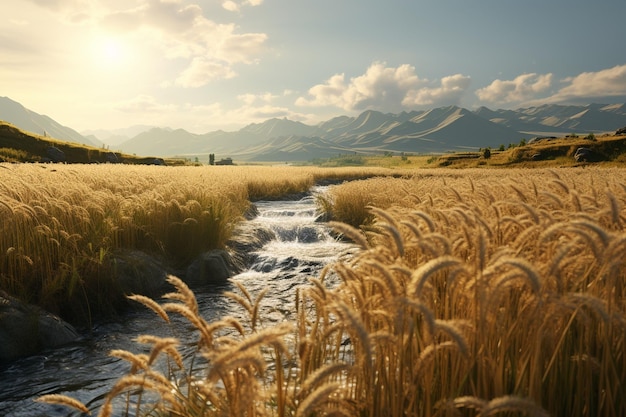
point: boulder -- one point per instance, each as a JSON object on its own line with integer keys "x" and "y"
{"x": 586, "y": 155}
{"x": 26, "y": 329}
{"x": 136, "y": 272}
{"x": 210, "y": 268}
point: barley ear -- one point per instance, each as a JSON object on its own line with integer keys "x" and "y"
{"x": 510, "y": 403}
{"x": 421, "y": 274}
{"x": 350, "y": 232}
{"x": 64, "y": 400}
{"x": 151, "y": 304}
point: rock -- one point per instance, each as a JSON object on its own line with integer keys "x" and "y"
{"x": 210, "y": 268}
{"x": 136, "y": 272}
{"x": 621, "y": 131}
{"x": 55, "y": 154}
{"x": 586, "y": 155}
{"x": 27, "y": 329}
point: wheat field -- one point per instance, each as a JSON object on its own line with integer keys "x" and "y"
{"x": 60, "y": 225}
{"x": 474, "y": 293}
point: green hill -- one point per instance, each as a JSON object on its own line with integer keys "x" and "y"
{"x": 17, "y": 145}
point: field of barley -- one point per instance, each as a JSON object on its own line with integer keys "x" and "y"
{"x": 62, "y": 226}
{"x": 474, "y": 293}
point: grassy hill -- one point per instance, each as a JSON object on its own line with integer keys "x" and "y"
{"x": 547, "y": 152}
{"x": 543, "y": 153}
{"x": 17, "y": 145}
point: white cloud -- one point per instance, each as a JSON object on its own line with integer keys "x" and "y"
{"x": 386, "y": 88}
{"x": 144, "y": 104}
{"x": 233, "y": 6}
{"x": 609, "y": 82}
{"x": 202, "y": 71}
{"x": 450, "y": 92}
{"x": 252, "y": 98}
{"x": 523, "y": 87}
{"x": 527, "y": 89}
{"x": 179, "y": 29}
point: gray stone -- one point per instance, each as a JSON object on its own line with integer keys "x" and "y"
{"x": 210, "y": 268}
{"x": 26, "y": 329}
{"x": 586, "y": 155}
{"x": 136, "y": 272}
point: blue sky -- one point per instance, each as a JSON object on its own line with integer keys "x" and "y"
{"x": 204, "y": 65}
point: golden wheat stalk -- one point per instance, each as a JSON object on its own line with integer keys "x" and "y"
{"x": 64, "y": 400}
{"x": 151, "y": 304}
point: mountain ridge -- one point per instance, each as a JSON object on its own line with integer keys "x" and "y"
{"x": 436, "y": 130}
{"x": 15, "y": 113}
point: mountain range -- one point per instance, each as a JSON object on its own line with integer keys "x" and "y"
{"x": 431, "y": 131}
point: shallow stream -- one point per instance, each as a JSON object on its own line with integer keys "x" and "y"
{"x": 84, "y": 370}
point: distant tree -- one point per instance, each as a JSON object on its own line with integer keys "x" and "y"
{"x": 522, "y": 142}
{"x": 487, "y": 153}
{"x": 591, "y": 137}
{"x": 501, "y": 148}
{"x": 211, "y": 159}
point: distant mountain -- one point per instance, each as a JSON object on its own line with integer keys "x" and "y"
{"x": 433, "y": 131}
{"x": 163, "y": 141}
{"x": 274, "y": 128}
{"x": 19, "y": 116}
{"x": 559, "y": 119}
{"x": 115, "y": 136}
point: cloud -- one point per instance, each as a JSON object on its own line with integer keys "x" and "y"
{"x": 249, "y": 98}
{"x": 144, "y": 104}
{"x": 178, "y": 29}
{"x": 233, "y": 6}
{"x": 386, "y": 88}
{"x": 523, "y": 87}
{"x": 527, "y": 89}
{"x": 609, "y": 82}
{"x": 202, "y": 71}
{"x": 450, "y": 92}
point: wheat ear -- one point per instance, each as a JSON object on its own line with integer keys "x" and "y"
{"x": 64, "y": 400}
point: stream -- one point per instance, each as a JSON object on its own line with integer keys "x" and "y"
{"x": 85, "y": 371}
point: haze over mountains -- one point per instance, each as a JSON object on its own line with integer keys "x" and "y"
{"x": 431, "y": 131}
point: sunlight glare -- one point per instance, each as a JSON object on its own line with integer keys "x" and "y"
{"x": 109, "y": 52}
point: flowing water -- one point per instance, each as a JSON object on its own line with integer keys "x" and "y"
{"x": 301, "y": 247}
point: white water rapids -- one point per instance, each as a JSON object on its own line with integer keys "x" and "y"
{"x": 85, "y": 371}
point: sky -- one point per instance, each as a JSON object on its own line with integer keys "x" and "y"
{"x": 206, "y": 65}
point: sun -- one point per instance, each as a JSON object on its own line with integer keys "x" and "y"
{"x": 109, "y": 52}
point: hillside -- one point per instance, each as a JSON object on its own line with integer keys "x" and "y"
{"x": 17, "y": 145}
{"x": 16, "y": 114}
{"x": 607, "y": 149}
